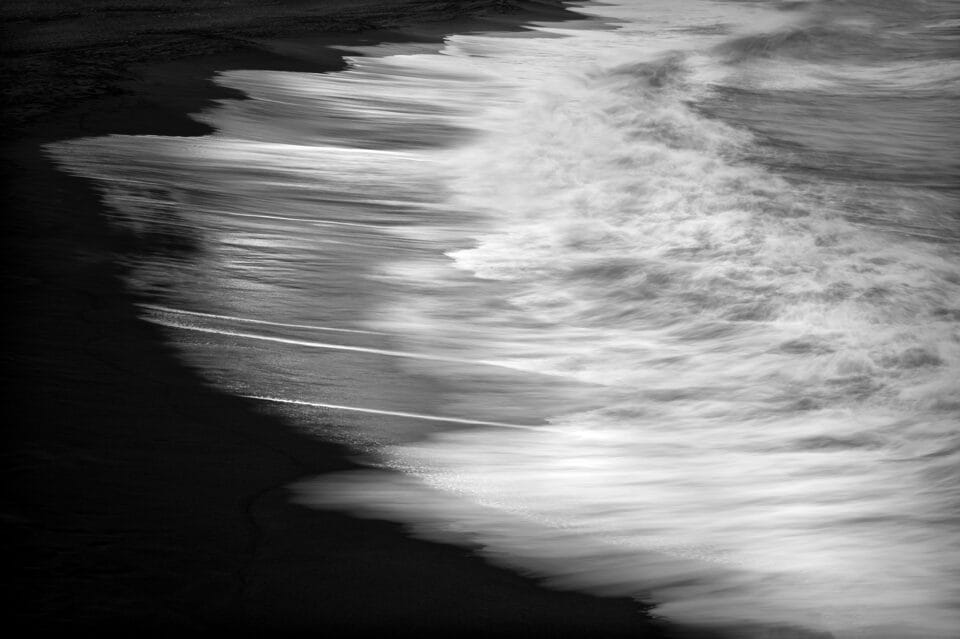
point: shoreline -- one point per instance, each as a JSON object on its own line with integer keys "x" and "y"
{"x": 140, "y": 499}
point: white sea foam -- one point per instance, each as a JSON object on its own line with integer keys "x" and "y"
{"x": 750, "y": 372}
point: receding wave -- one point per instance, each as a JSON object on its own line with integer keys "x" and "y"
{"x": 677, "y": 300}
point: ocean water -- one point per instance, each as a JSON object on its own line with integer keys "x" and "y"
{"x": 663, "y": 303}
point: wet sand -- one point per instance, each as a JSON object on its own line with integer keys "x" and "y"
{"x": 138, "y": 499}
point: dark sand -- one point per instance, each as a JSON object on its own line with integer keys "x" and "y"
{"x": 136, "y": 499}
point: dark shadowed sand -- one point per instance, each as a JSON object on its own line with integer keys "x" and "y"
{"x": 137, "y": 499}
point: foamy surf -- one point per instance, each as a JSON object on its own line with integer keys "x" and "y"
{"x": 708, "y": 244}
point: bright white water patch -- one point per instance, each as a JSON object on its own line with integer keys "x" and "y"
{"x": 709, "y": 245}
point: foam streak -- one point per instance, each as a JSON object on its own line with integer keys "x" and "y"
{"x": 395, "y": 413}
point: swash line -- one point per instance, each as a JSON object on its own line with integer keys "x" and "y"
{"x": 395, "y": 413}
{"x": 338, "y": 347}
{"x": 176, "y": 311}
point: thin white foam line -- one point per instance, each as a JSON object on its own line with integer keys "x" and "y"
{"x": 304, "y": 220}
{"x": 176, "y": 311}
{"x": 336, "y": 347}
{"x": 285, "y": 147}
{"x": 394, "y": 413}
{"x": 351, "y": 224}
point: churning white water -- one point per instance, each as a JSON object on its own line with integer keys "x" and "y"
{"x": 685, "y": 282}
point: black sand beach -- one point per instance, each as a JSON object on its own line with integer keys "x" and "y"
{"x": 139, "y": 500}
